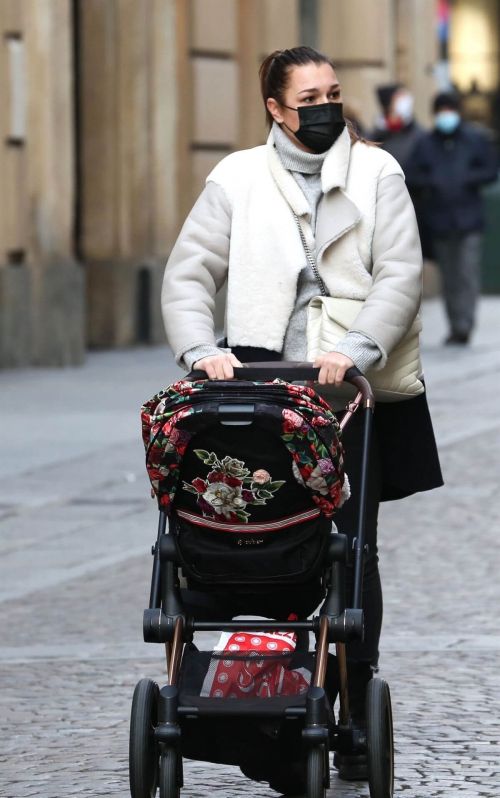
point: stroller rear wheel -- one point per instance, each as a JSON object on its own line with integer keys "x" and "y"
{"x": 170, "y": 777}
{"x": 380, "y": 740}
{"x": 143, "y": 749}
{"x": 317, "y": 772}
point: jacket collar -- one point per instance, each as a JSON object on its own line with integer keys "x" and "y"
{"x": 286, "y": 182}
{"x": 333, "y": 173}
{"x": 336, "y": 165}
{"x": 337, "y": 214}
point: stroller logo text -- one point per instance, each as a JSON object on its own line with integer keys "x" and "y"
{"x": 250, "y": 541}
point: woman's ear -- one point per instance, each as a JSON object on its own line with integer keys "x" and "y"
{"x": 274, "y": 109}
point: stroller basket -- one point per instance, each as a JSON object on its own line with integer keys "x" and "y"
{"x": 255, "y": 697}
{"x": 251, "y": 677}
{"x": 257, "y": 681}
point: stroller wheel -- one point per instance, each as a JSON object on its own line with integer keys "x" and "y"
{"x": 380, "y": 741}
{"x": 317, "y": 772}
{"x": 143, "y": 749}
{"x": 170, "y": 773}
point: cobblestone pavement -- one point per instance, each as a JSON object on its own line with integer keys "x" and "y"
{"x": 76, "y": 525}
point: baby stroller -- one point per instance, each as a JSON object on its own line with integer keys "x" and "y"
{"x": 248, "y": 474}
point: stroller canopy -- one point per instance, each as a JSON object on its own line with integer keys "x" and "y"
{"x": 291, "y": 417}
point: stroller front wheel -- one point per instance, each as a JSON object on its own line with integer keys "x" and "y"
{"x": 170, "y": 778}
{"x": 316, "y": 772}
{"x": 380, "y": 739}
{"x": 143, "y": 749}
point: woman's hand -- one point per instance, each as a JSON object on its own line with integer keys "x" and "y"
{"x": 332, "y": 367}
{"x": 218, "y": 367}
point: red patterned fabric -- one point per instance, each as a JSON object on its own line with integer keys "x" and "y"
{"x": 261, "y": 675}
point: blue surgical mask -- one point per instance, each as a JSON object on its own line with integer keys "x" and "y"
{"x": 447, "y": 121}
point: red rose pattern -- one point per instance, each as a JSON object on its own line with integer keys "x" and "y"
{"x": 309, "y": 430}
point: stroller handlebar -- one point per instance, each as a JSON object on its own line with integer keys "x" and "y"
{"x": 294, "y": 372}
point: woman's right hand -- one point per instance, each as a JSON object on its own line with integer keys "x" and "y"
{"x": 218, "y": 367}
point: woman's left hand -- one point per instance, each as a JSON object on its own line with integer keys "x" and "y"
{"x": 332, "y": 367}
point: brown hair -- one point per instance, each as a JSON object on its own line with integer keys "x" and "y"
{"x": 274, "y": 73}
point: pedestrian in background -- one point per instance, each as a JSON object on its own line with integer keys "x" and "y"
{"x": 446, "y": 171}
{"x": 396, "y": 130}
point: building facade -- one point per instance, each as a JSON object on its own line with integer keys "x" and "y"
{"x": 114, "y": 113}
{"x": 42, "y": 287}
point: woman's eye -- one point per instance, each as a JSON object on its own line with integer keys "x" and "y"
{"x": 308, "y": 99}
{"x": 334, "y": 95}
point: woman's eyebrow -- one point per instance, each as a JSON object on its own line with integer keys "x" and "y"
{"x": 315, "y": 88}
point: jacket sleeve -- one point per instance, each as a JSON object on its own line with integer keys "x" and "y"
{"x": 394, "y": 298}
{"x": 195, "y": 271}
{"x": 483, "y": 165}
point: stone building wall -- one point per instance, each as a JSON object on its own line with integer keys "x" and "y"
{"x": 41, "y": 285}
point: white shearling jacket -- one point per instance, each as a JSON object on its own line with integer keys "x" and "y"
{"x": 242, "y": 229}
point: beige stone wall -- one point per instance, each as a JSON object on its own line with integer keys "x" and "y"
{"x": 41, "y": 297}
{"x": 36, "y": 128}
{"x": 129, "y": 97}
{"x": 224, "y": 46}
{"x": 13, "y": 165}
{"x": 376, "y": 43}
{"x": 359, "y": 36}
{"x": 128, "y": 102}
{"x": 416, "y": 50}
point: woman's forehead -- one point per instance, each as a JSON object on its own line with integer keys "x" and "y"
{"x": 310, "y": 76}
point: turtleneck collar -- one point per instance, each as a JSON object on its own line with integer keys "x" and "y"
{"x": 295, "y": 159}
{"x": 333, "y": 172}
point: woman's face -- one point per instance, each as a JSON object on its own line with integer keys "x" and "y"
{"x": 309, "y": 84}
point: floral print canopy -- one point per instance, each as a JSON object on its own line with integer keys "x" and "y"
{"x": 228, "y": 490}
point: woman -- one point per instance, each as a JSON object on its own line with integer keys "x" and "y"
{"x": 351, "y": 201}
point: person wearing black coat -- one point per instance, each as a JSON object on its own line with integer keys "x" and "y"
{"x": 397, "y": 132}
{"x": 446, "y": 171}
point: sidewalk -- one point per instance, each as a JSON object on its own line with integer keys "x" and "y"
{"x": 76, "y": 526}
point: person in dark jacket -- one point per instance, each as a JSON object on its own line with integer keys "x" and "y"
{"x": 446, "y": 171}
{"x": 397, "y": 131}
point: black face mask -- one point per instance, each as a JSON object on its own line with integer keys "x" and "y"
{"x": 320, "y": 125}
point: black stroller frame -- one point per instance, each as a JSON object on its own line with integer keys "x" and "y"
{"x": 157, "y": 714}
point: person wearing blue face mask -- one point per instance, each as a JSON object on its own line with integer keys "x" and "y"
{"x": 446, "y": 172}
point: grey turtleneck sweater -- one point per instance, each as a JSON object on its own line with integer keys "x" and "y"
{"x": 306, "y": 169}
